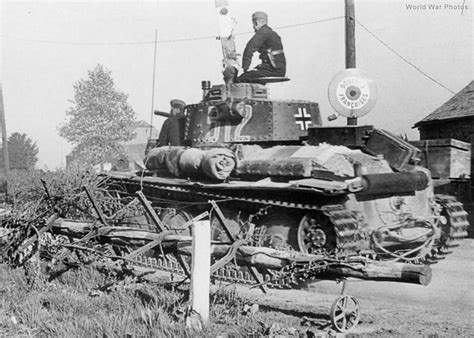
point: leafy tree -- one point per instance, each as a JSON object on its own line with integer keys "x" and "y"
{"x": 100, "y": 118}
{"x": 22, "y": 152}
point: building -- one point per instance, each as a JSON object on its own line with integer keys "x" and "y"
{"x": 134, "y": 150}
{"x": 454, "y": 120}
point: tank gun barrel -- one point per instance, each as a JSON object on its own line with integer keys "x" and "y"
{"x": 162, "y": 113}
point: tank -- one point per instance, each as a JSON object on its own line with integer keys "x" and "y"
{"x": 277, "y": 178}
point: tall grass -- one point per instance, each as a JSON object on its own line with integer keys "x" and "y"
{"x": 72, "y": 306}
{"x": 69, "y": 307}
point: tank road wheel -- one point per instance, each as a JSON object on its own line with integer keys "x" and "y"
{"x": 316, "y": 234}
{"x": 345, "y": 313}
{"x": 232, "y": 220}
{"x": 174, "y": 219}
{"x": 278, "y": 231}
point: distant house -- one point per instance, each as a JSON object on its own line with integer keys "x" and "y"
{"x": 454, "y": 119}
{"x": 142, "y": 130}
{"x": 134, "y": 150}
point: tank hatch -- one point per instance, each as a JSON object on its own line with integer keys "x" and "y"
{"x": 242, "y": 113}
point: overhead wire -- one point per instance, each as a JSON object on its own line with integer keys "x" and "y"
{"x": 417, "y": 68}
{"x": 161, "y": 41}
{"x": 403, "y": 58}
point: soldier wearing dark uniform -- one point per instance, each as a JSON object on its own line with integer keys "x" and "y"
{"x": 268, "y": 44}
{"x": 172, "y": 131}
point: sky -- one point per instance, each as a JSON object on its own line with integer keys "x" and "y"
{"x": 417, "y": 57}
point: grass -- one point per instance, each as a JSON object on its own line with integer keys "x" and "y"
{"x": 71, "y": 305}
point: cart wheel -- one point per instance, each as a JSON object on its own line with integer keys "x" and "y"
{"x": 345, "y": 313}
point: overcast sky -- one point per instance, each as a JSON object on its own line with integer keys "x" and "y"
{"x": 48, "y": 46}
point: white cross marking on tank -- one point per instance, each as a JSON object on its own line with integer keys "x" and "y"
{"x": 302, "y": 118}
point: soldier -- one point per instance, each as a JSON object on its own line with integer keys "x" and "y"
{"x": 268, "y": 44}
{"x": 172, "y": 131}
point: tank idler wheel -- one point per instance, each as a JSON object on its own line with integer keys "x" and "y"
{"x": 345, "y": 313}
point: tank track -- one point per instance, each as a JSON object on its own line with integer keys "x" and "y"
{"x": 457, "y": 220}
{"x": 220, "y": 196}
{"x": 286, "y": 278}
{"x": 351, "y": 238}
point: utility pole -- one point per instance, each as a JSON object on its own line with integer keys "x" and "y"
{"x": 153, "y": 85}
{"x": 350, "y": 44}
{"x": 6, "y": 159}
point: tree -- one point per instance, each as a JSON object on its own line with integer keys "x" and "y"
{"x": 22, "y": 152}
{"x": 100, "y": 118}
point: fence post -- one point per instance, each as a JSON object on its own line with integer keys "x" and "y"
{"x": 201, "y": 269}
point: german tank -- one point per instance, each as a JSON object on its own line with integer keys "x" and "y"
{"x": 270, "y": 169}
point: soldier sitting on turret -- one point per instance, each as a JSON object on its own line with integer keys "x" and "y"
{"x": 268, "y": 44}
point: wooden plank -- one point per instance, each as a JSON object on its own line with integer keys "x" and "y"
{"x": 148, "y": 246}
{"x": 150, "y": 211}
{"x": 95, "y": 205}
{"x": 32, "y": 239}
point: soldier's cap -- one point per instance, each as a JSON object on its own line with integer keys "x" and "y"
{"x": 259, "y": 15}
{"x": 177, "y": 103}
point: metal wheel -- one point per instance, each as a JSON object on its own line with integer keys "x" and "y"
{"x": 232, "y": 219}
{"x": 316, "y": 234}
{"x": 279, "y": 231}
{"x": 174, "y": 219}
{"x": 345, "y": 313}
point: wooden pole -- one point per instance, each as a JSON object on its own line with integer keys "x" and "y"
{"x": 350, "y": 34}
{"x": 6, "y": 158}
{"x": 201, "y": 269}
{"x": 200, "y": 249}
{"x": 350, "y": 44}
{"x": 153, "y": 85}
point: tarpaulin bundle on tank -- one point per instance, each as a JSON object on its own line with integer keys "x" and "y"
{"x": 216, "y": 163}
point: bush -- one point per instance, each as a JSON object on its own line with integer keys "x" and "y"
{"x": 25, "y": 189}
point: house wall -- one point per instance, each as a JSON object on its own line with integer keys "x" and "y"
{"x": 460, "y": 129}
{"x": 142, "y": 135}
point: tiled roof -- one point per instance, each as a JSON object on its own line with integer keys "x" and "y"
{"x": 459, "y": 106}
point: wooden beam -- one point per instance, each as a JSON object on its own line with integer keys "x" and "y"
{"x": 350, "y": 34}
{"x": 201, "y": 269}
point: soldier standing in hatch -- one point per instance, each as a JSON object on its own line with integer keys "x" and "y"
{"x": 268, "y": 44}
{"x": 172, "y": 131}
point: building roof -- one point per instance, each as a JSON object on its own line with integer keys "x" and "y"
{"x": 459, "y": 106}
{"x": 141, "y": 123}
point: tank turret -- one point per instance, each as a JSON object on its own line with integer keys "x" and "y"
{"x": 244, "y": 113}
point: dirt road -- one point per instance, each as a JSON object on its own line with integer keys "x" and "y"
{"x": 445, "y": 307}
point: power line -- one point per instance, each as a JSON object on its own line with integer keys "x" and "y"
{"x": 159, "y": 41}
{"x": 404, "y": 59}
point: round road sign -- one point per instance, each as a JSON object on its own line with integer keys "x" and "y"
{"x": 352, "y": 93}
